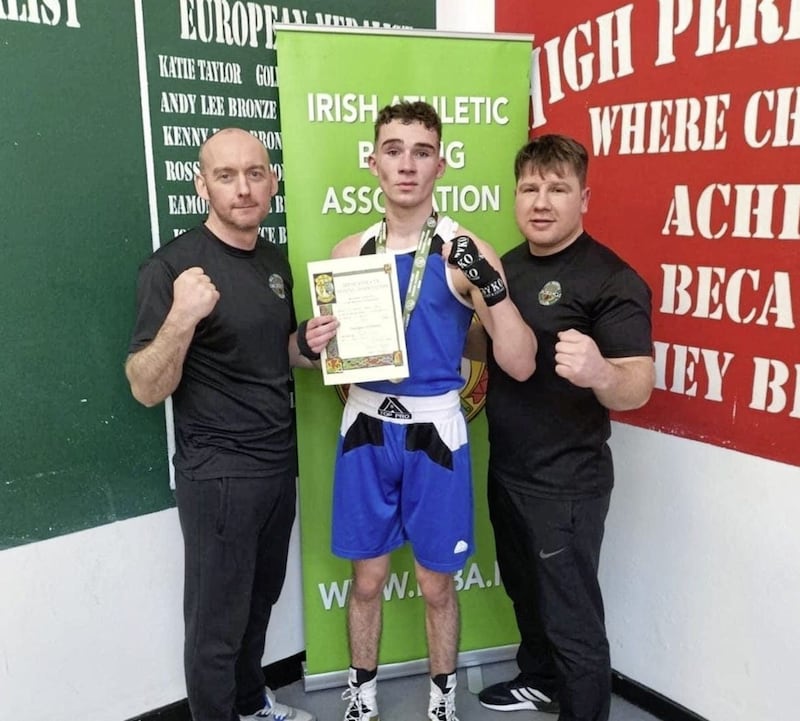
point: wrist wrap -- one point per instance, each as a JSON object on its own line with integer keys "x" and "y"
{"x": 302, "y": 343}
{"x": 477, "y": 269}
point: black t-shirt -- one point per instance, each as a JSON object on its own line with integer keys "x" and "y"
{"x": 548, "y": 436}
{"x": 232, "y": 408}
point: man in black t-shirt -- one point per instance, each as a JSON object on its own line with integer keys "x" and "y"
{"x": 216, "y": 330}
{"x": 550, "y": 468}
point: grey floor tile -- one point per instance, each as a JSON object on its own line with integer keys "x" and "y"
{"x": 406, "y": 699}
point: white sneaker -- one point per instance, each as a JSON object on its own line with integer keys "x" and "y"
{"x": 276, "y": 711}
{"x": 442, "y": 704}
{"x": 363, "y": 701}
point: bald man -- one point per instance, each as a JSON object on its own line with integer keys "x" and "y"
{"x": 216, "y": 330}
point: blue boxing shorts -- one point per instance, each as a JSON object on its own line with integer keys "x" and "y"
{"x": 403, "y": 473}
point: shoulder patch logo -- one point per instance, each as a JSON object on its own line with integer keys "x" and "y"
{"x": 392, "y": 408}
{"x": 276, "y": 285}
{"x": 550, "y": 293}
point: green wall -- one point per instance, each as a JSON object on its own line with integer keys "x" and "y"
{"x": 75, "y": 203}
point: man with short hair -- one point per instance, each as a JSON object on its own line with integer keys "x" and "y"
{"x": 550, "y": 469}
{"x": 403, "y": 467}
{"x": 216, "y": 330}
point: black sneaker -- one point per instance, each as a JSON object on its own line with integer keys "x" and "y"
{"x": 516, "y": 695}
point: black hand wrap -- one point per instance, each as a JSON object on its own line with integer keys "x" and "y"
{"x": 478, "y": 270}
{"x": 302, "y": 343}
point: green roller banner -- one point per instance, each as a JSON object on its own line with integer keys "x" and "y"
{"x": 333, "y": 83}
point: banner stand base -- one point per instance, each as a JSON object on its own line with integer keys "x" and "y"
{"x": 471, "y": 660}
{"x": 474, "y": 679}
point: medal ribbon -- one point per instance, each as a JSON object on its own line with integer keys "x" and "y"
{"x": 417, "y": 268}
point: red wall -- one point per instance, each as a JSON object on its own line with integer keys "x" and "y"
{"x": 691, "y": 113}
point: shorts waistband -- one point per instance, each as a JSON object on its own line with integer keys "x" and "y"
{"x": 403, "y": 409}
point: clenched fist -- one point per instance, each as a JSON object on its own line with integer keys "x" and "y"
{"x": 194, "y": 296}
{"x": 578, "y": 359}
{"x": 478, "y": 271}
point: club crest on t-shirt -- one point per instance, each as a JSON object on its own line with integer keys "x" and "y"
{"x": 276, "y": 284}
{"x": 550, "y": 293}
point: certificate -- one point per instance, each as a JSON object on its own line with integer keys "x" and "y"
{"x": 363, "y": 293}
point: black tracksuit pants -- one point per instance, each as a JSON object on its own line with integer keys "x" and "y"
{"x": 236, "y": 542}
{"x": 548, "y": 553}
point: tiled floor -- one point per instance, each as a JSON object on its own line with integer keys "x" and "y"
{"x": 406, "y": 699}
